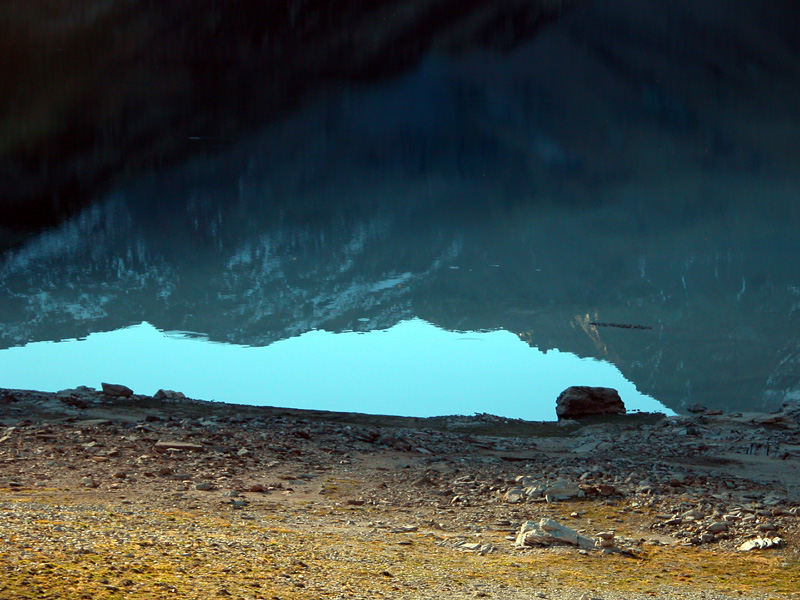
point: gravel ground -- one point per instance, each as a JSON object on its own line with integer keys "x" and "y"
{"x": 106, "y": 497}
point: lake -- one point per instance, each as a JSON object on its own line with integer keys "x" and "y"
{"x": 466, "y": 223}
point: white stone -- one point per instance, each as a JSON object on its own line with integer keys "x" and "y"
{"x": 514, "y": 496}
{"x": 547, "y": 532}
{"x": 760, "y": 543}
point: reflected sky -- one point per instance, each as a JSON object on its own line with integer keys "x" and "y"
{"x": 411, "y": 369}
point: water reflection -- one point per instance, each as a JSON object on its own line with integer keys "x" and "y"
{"x": 96, "y": 93}
{"x": 626, "y": 192}
{"x": 411, "y": 369}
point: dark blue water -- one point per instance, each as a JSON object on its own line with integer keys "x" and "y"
{"x": 609, "y": 197}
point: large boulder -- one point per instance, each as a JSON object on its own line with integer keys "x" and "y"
{"x": 581, "y": 401}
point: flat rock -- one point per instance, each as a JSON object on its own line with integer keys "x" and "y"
{"x": 162, "y": 445}
{"x": 92, "y": 422}
{"x": 563, "y": 490}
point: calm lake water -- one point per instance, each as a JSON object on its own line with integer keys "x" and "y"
{"x": 609, "y": 197}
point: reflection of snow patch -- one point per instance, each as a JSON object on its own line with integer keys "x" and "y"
{"x": 741, "y": 291}
{"x": 82, "y": 308}
{"x": 390, "y": 283}
{"x": 80, "y": 232}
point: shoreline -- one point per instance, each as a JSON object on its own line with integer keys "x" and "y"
{"x": 144, "y": 494}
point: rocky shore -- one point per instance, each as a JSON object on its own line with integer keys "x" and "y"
{"x": 105, "y": 494}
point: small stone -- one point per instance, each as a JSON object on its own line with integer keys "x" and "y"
{"x": 605, "y": 489}
{"x": 692, "y": 515}
{"x": 514, "y": 496}
{"x": 605, "y": 539}
{"x": 563, "y": 490}
{"x": 469, "y": 546}
{"x": 423, "y": 481}
{"x": 203, "y": 486}
{"x": 717, "y": 527}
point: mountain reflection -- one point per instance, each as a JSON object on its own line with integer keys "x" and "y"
{"x": 95, "y": 93}
{"x": 596, "y": 192}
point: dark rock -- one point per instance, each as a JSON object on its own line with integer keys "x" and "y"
{"x": 115, "y": 389}
{"x": 581, "y": 401}
{"x": 696, "y": 408}
{"x": 169, "y": 395}
{"x": 74, "y": 402}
